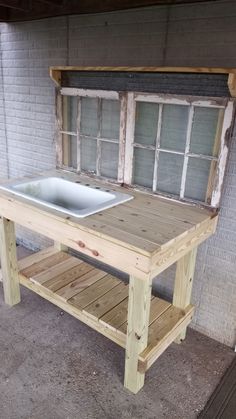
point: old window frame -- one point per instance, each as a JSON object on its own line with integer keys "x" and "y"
{"x": 126, "y": 143}
{"x": 217, "y": 168}
{"x": 98, "y": 94}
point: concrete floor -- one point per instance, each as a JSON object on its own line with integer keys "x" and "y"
{"x": 54, "y": 367}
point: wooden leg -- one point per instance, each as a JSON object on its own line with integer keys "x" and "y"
{"x": 183, "y": 284}
{"x": 9, "y": 266}
{"x": 137, "y": 330}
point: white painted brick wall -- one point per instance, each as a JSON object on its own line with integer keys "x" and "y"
{"x": 191, "y": 35}
{"x": 28, "y": 49}
{"x": 3, "y": 144}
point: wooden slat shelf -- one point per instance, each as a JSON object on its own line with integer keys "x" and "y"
{"x": 100, "y": 300}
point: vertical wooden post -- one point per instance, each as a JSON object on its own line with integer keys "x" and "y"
{"x": 9, "y": 266}
{"x": 137, "y": 330}
{"x": 60, "y": 247}
{"x": 183, "y": 284}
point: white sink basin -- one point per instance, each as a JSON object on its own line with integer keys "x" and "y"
{"x": 68, "y": 197}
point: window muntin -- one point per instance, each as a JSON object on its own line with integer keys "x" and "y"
{"x": 171, "y": 145}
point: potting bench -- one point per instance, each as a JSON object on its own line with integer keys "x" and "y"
{"x": 142, "y": 238}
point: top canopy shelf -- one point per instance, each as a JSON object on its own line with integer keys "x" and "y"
{"x": 56, "y": 72}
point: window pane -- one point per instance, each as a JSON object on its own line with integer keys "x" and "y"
{"x": 174, "y": 127}
{"x": 69, "y": 150}
{"x": 110, "y": 119}
{"x": 204, "y": 130}
{"x": 146, "y": 120}
{"x": 69, "y": 113}
{"x": 89, "y": 116}
{"x": 197, "y": 178}
{"x": 88, "y": 154}
{"x": 109, "y": 159}
{"x": 169, "y": 173}
{"x": 143, "y": 167}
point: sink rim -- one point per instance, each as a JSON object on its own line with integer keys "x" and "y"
{"x": 119, "y": 197}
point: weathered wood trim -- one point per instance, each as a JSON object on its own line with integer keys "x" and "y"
{"x": 186, "y": 151}
{"x": 157, "y": 147}
{"x": 215, "y": 152}
{"x": 103, "y": 94}
{"x": 180, "y": 100}
{"x": 180, "y": 153}
{"x": 99, "y": 146}
{"x": 66, "y": 146}
{"x": 224, "y": 149}
{"x": 55, "y": 75}
{"x": 232, "y": 84}
{"x": 58, "y": 134}
{"x": 78, "y": 135}
{"x": 123, "y": 111}
{"x": 129, "y": 149}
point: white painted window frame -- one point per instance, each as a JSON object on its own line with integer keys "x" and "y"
{"x": 126, "y": 142}
{"x": 99, "y": 94}
{"x": 220, "y": 161}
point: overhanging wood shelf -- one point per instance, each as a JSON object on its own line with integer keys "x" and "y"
{"x": 56, "y": 72}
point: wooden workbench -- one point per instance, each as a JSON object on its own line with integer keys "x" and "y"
{"x": 141, "y": 237}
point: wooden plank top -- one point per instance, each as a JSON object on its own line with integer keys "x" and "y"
{"x": 145, "y": 224}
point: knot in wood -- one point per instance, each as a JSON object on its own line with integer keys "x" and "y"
{"x": 95, "y": 253}
{"x": 81, "y": 244}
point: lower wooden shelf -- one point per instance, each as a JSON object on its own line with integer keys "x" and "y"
{"x": 100, "y": 300}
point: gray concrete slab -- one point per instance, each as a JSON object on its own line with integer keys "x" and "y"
{"x": 54, "y": 367}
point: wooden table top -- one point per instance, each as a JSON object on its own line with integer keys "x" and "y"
{"x": 146, "y": 224}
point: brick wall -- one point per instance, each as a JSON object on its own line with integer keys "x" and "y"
{"x": 3, "y": 140}
{"x": 27, "y": 50}
{"x": 191, "y": 35}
